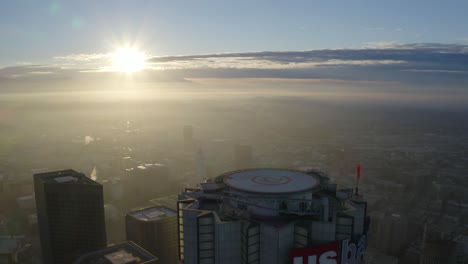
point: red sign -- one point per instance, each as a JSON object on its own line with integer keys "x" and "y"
{"x": 325, "y": 254}
{"x": 344, "y": 252}
{"x": 358, "y": 171}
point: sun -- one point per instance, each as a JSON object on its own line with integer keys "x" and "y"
{"x": 128, "y": 60}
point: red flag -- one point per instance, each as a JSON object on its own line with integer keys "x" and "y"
{"x": 359, "y": 171}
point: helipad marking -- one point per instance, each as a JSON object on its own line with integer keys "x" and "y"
{"x": 271, "y": 180}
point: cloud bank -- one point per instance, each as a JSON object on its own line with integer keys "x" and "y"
{"x": 421, "y": 64}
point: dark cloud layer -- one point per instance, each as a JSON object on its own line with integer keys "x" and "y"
{"x": 433, "y": 64}
{"x": 420, "y": 64}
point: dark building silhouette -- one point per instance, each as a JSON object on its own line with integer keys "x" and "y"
{"x": 243, "y": 157}
{"x": 70, "y": 210}
{"x": 124, "y": 253}
{"x": 155, "y": 230}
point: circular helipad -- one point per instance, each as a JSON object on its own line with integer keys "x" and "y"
{"x": 271, "y": 181}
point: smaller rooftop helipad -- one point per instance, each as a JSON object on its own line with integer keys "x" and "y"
{"x": 271, "y": 181}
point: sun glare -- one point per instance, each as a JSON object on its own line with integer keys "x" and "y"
{"x": 128, "y": 60}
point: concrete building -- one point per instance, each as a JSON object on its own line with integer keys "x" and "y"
{"x": 70, "y": 211}
{"x": 155, "y": 230}
{"x": 270, "y": 216}
{"x": 243, "y": 157}
{"x": 124, "y": 253}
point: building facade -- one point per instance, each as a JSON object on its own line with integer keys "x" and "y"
{"x": 271, "y": 216}
{"x": 70, "y": 210}
{"x": 155, "y": 230}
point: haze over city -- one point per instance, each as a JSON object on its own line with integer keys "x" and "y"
{"x": 161, "y": 102}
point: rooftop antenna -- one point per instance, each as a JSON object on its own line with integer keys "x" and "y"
{"x": 358, "y": 169}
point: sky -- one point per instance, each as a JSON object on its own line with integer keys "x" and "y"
{"x": 415, "y": 43}
{"x": 36, "y": 31}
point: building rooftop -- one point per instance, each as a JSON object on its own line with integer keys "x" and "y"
{"x": 124, "y": 253}
{"x": 153, "y": 213}
{"x": 271, "y": 180}
{"x": 65, "y": 177}
{"x": 166, "y": 201}
{"x": 10, "y": 244}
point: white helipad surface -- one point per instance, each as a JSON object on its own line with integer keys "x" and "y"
{"x": 271, "y": 181}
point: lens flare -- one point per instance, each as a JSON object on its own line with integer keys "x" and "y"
{"x": 128, "y": 60}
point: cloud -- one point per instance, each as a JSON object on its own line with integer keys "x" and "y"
{"x": 419, "y": 64}
{"x": 16, "y": 71}
{"x": 435, "y": 71}
{"x": 84, "y": 57}
{"x": 381, "y": 45}
{"x": 374, "y": 62}
{"x": 260, "y": 63}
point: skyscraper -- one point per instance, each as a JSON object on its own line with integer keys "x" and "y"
{"x": 70, "y": 210}
{"x": 243, "y": 157}
{"x": 155, "y": 230}
{"x": 271, "y": 216}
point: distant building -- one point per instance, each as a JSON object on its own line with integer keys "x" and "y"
{"x": 70, "y": 211}
{"x": 188, "y": 135}
{"x": 114, "y": 189}
{"x": 2, "y": 183}
{"x": 26, "y": 202}
{"x": 243, "y": 157}
{"x": 124, "y": 253}
{"x": 149, "y": 180}
{"x": 392, "y": 233}
{"x": 13, "y": 250}
{"x": 439, "y": 252}
{"x": 200, "y": 166}
{"x": 271, "y": 216}
{"x": 374, "y": 257}
{"x": 166, "y": 201}
{"x": 155, "y": 230}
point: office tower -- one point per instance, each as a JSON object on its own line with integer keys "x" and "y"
{"x": 124, "y": 253}
{"x": 272, "y": 216}
{"x": 391, "y": 233}
{"x": 155, "y": 230}
{"x": 243, "y": 157}
{"x": 70, "y": 210}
